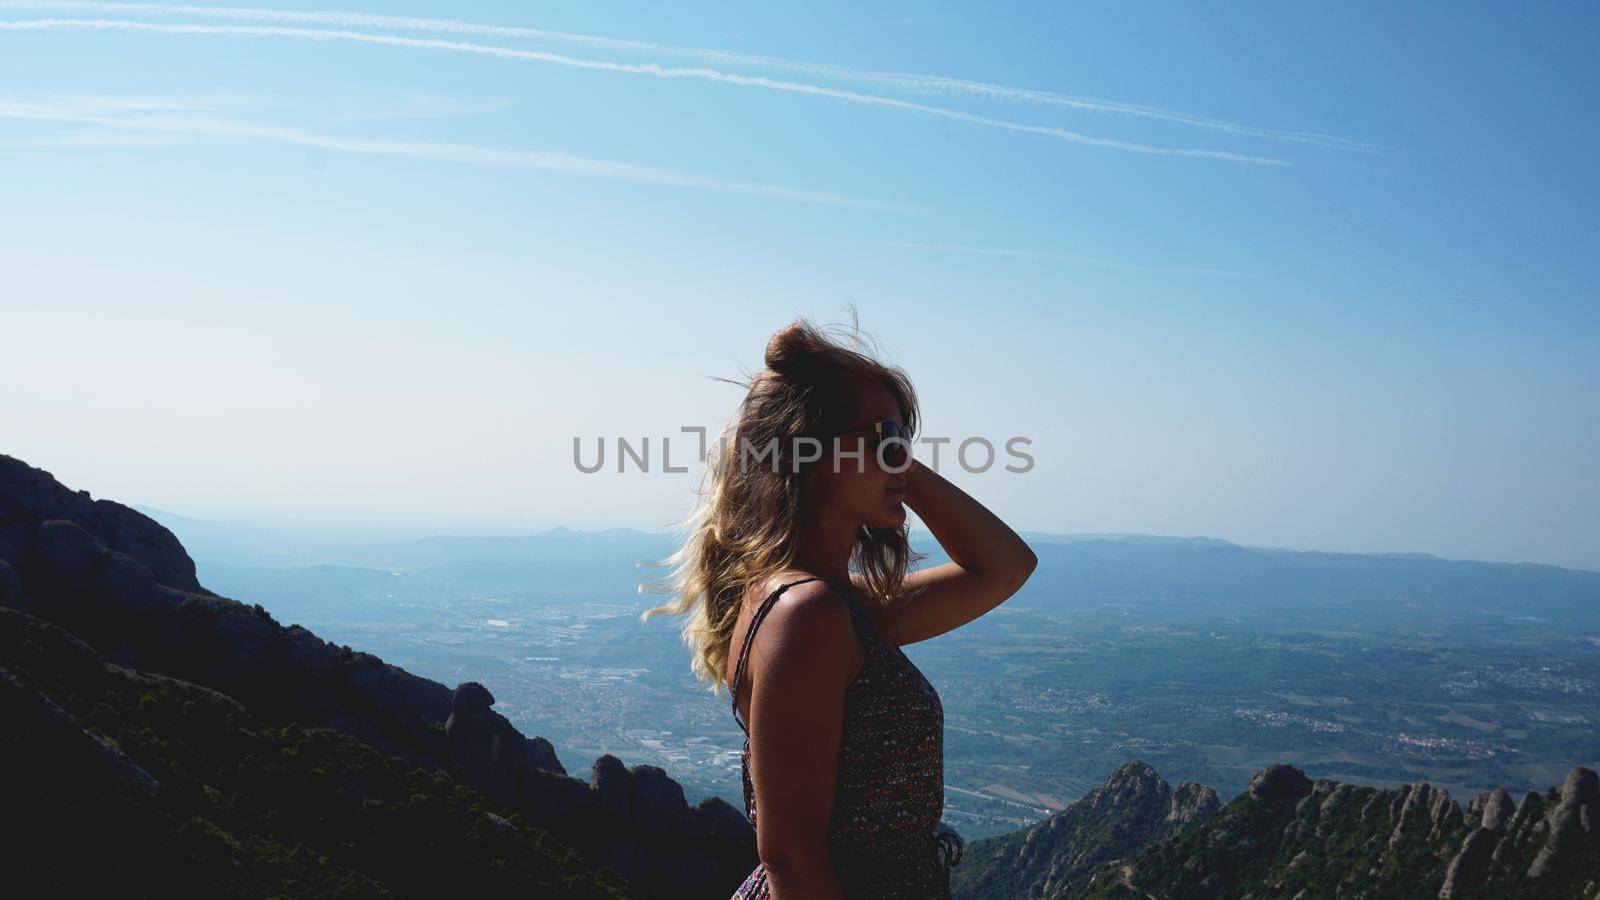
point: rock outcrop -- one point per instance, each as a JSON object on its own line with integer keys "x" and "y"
{"x": 1572, "y": 825}
{"x": 648, "y": 802}
{"x": 1133, "y": 809}
{"x": 1292, "y": 836}
{"x": 31, "y": 495}
{"x": 491, "y": 751}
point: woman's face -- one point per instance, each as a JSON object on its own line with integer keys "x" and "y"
{"x": 860, "y": 488}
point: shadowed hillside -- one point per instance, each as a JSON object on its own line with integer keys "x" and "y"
{"x": 162, "y": 734}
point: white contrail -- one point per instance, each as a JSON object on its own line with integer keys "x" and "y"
{"x": 931, "y": 84}
{"x": 101, "y": 112}
{"x": 87, "y": 141}
{"x": 1062, "y": 257}
{"x": 648, "y": 69}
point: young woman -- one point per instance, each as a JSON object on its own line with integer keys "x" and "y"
{"x": 794, "y": 575}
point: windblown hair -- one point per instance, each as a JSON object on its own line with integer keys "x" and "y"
{"x": 745, "y": 523}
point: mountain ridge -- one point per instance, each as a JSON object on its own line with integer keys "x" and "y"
{"x": 180, "y": 523}
{"x": 118, "y": 587}
{"x": 1133, "y": 809}
{"x": 1292, "y": 836}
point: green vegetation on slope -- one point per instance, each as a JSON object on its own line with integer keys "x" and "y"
{"x": 124, "y": 777}
{"x": 1289, "y": 836}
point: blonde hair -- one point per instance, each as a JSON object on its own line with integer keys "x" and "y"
{"x": 745, "y": 522}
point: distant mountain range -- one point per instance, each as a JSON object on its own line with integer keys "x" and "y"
{"x": 244, "y": 544}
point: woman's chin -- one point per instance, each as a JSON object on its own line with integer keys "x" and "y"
{"x": 893, "y": 517}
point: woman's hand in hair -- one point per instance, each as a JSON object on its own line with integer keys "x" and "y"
{"x": 988, "y": 561}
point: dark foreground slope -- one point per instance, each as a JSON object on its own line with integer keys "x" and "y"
{"x": 158, "y": 734}
{"x": 122, "y": 777}
{"x": 1132, "y": 810}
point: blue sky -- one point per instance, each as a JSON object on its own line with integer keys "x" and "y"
{"x": 1318, "y": 278}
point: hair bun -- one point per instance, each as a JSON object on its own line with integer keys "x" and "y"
{"x": 794, "y": 350}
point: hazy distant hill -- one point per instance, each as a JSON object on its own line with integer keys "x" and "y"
{"x": 1200, "y": 574}
{"x": 1209, "y": 570}
{"x": 239, "y": 543}
{"x": 1193, "y": 577}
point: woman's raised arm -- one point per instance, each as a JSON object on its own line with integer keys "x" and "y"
{"x": 988, "y": 561}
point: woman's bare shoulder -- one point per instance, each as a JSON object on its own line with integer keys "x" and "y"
{"x": 809, "y": 626}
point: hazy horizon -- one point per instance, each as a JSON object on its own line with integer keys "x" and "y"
{"x": 358, "y": 532}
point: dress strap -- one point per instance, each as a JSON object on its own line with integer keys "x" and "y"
{"x": 865, "y": 630}
{"x": 749, "y": 636}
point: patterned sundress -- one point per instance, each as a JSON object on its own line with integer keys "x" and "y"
{"x": 885, "y": 838}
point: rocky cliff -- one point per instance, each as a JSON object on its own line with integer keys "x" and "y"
{"x": 1294, "y": 837}
{"x": 134, "y": 631}
{"x": 1290, "y": 836}
{"x": 1132, "y": 810}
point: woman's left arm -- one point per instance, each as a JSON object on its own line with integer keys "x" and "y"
{"x": 988, "y": 561}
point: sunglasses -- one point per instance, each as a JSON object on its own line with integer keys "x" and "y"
{"x": 894, "y": 455}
